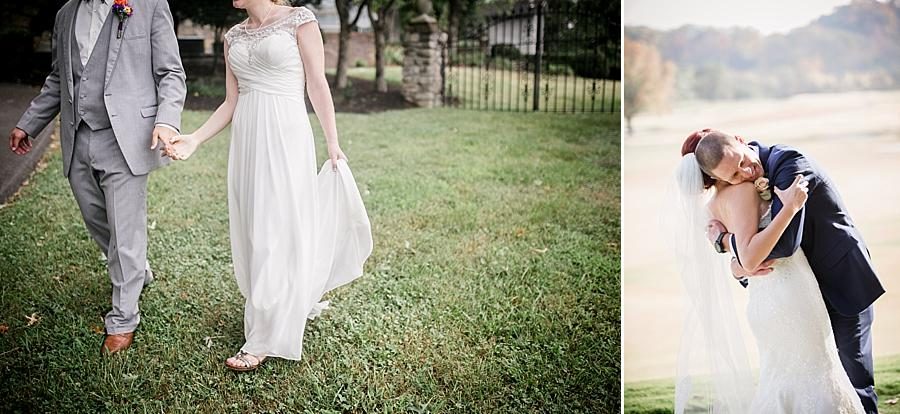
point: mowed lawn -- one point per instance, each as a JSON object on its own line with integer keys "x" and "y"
{"x": 493, "y": 285}
{"x": 656, "y": 397}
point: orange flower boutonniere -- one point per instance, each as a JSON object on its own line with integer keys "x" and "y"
{"x": 123, "y": 10}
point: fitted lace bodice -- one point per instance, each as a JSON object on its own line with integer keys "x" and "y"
{"x": 267, "y": 59}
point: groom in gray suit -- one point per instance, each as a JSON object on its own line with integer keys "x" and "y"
{"x": 117, "y": 83}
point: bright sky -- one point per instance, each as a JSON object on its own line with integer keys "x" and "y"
{"x": 768, "y": 16}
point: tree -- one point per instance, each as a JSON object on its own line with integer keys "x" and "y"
{"x": 347, "y": 27}
{"x": 649, "y": 81}
{"x": 379, "y": 12}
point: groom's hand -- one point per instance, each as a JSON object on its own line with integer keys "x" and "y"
{"x": 763, "y": 269}
{"x": 163, "y": 134}
{"x": 19, "y": 142}
{"x": 713, "y": 230}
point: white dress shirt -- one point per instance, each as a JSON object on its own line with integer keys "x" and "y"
{"x": 92, "y": 14}
{"x": 91, "y": 17}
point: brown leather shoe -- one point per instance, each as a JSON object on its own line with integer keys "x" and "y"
{"x": 116, "y": 343}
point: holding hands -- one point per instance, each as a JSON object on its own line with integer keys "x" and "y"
{"x": 181, "y": 147}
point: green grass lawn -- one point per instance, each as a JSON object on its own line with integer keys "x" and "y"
{"x": 493, "y": 285}
{"x": 393, "y": 75}
{"x": 655, "y": 397}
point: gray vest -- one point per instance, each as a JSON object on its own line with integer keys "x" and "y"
{"x": 89, "y": 79}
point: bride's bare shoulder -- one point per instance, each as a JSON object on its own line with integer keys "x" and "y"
{"x": 730, "y": 195}
{"x": 736, "y": 190}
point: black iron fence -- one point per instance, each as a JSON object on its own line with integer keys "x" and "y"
{"x": 536, "y": 56}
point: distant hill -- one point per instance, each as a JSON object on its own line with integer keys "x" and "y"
{"x": 855, "y": 47}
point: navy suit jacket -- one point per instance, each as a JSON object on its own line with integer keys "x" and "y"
{"x": 823, "y": 228}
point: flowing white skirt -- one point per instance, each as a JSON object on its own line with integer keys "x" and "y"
{"x": 295, "y": 234}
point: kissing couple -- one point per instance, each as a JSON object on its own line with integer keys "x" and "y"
{"x": 780, "y": 228}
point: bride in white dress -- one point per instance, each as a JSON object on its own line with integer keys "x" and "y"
{"x": 295, "y": 235}
{"x": 800, "y": 371}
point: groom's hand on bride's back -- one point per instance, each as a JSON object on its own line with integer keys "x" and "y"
{"x": 713, "y": 230}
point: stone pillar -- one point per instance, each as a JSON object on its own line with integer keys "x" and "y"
{"x": 422, "y": 60}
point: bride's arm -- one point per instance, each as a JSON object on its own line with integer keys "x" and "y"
{"x": 738, "y": 209}
{"x": 185, "y": 145}
{"x": 312, "y": 53}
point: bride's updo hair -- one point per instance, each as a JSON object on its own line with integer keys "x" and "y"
{"x": 708, "y": 146}
{"x": 281, "y": 2}
{"x": 690, "y": 147}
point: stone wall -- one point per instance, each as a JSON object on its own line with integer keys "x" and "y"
{"x": 422, "y": 59}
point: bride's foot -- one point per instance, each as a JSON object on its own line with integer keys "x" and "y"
{"x": 243, "y": 361}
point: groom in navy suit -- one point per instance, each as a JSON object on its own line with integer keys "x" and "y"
{"x": 823, "y": 228}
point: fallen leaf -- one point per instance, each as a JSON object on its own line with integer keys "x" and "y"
{"x": 58, "y": 278}
{"x": 98, "y": 329}
{"x": 520, "y": 232}
{"x": 209, "y": 340}
{"x": 541, "y": 251}
{"x": 152, "y": 225}
{"x": 3, "y": 328}
{"x": 33, "y": 319}
{"x": 892, "y": 401}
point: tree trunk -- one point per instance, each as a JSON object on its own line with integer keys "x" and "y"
{"x": 347, "y": 26}
{"x": 378, "y": 27}
{"x": 453, "y": 23}
{"x": 343, "y": 9}
{"x": 343, "y": 45}
{"x": 218, "y": 46}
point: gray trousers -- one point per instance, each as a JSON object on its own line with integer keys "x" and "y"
{"x": 113, "y": 203}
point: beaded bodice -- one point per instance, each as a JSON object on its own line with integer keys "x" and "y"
{"x": 267, "y": 59}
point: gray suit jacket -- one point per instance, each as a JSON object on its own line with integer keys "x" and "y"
{"x": 145, "y": 83}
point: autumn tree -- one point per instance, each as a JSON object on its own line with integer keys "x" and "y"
{"x": 649, "y": 81}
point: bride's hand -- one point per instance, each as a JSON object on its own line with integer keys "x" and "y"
{"x": 335, "y": 153}
{"x": 794, "y": 196}
{"x": 181, "y": 147}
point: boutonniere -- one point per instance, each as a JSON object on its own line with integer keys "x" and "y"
{"x": 123, "y": 10}
{"x": 762, "y": 187}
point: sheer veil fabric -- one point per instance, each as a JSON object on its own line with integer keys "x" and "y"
{"x": 713, "y": 371}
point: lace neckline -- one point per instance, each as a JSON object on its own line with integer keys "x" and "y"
{"x": 243, "y": 25}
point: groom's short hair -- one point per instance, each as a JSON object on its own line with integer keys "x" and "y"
{"x": 711, "y": 149}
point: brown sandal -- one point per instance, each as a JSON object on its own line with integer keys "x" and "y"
{"x": 249, "y": 365}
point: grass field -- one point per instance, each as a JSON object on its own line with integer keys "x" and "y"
{"x": 655, "y": 396}
{"x": 493, "y": 286}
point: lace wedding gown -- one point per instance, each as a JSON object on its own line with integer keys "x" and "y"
{"x": 295, "y": 234}
{"x": 800, "y": 371}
